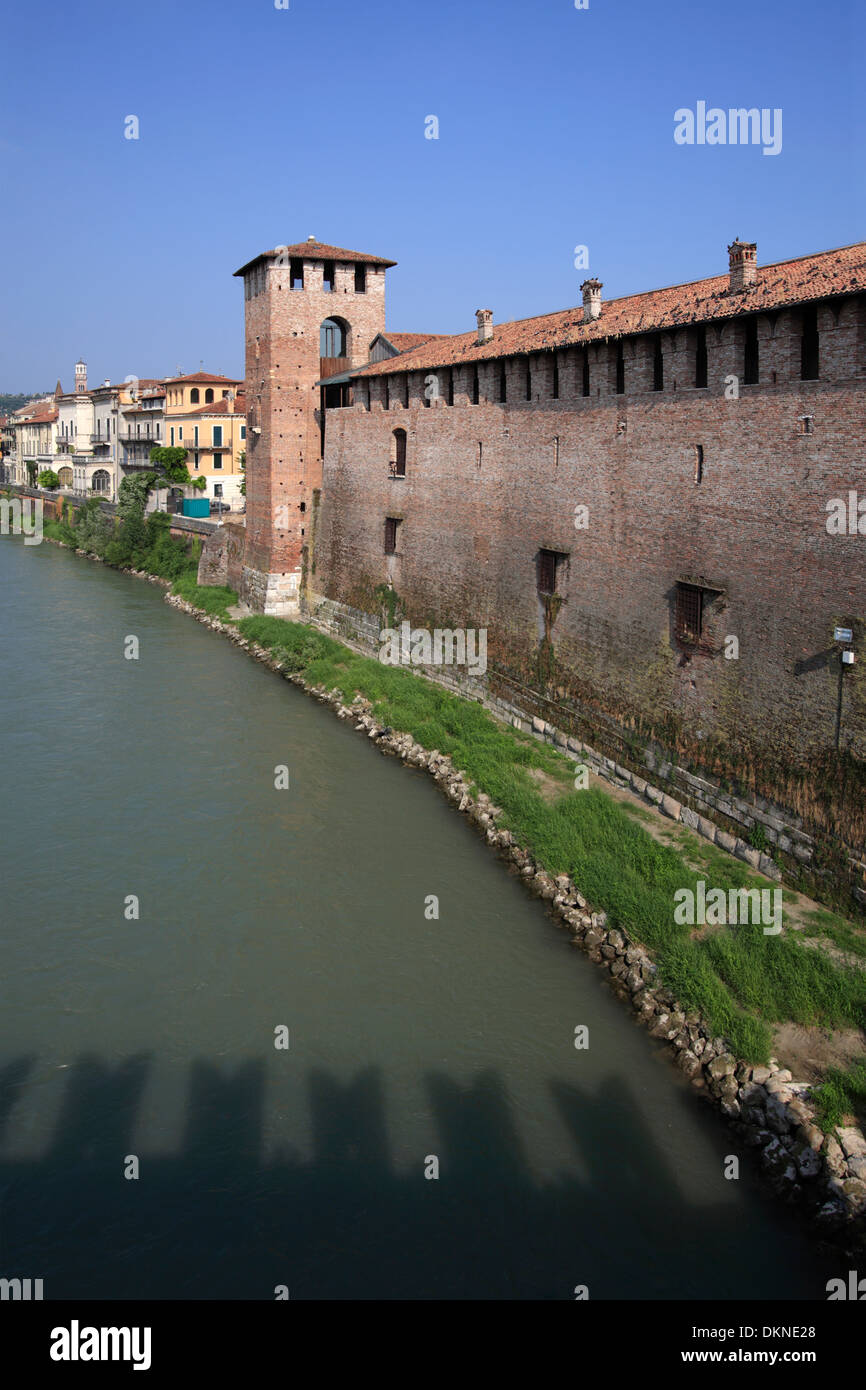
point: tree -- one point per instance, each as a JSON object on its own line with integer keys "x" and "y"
{"x": 49, "y": 479}
{"x": 31, "y": 471}
{"x": 171, "y": 463}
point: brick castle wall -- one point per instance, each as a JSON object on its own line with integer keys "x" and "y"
{"x": 488, "y": 485}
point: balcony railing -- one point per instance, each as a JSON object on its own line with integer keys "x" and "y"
{"x": 100, "y": 439}
{"x": 127, "y": 437}
{"x": 331, "y": 366}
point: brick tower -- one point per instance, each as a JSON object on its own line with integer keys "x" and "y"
{"x": 311, "y": 312}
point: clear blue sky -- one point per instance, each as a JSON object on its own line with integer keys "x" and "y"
{"x": 261, "y": 126}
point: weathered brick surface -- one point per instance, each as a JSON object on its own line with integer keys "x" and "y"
{"x": 284, "y": 423}
{"x": 487, "y": 485}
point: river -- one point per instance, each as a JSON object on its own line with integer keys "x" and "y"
{"x": 148, "y": 1043}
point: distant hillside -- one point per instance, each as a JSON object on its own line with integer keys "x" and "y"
{"x": 9, "y": 403}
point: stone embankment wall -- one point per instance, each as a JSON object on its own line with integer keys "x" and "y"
{"x": 767, "y": 1108}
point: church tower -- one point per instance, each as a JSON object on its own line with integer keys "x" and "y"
{"x": 80, "y": 377}
{"x": 311, "y": 312}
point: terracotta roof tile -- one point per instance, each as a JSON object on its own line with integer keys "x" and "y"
{"x": 218, "y": 408}
{"x": 841, "y": 271}
{"x": 198, "y": 376}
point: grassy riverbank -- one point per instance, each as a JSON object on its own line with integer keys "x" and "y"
{"x": 743, "y": 981}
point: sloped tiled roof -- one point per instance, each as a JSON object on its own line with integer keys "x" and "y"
{"x": 192, "y": 378}
{"x": 218, "y": 407}
{"x": 405, "y": 342}
{"x": 318, "y": 251}
{"x": 45, "y": 417}
{"x": 841, "y": 271}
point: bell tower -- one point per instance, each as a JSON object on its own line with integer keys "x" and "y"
{"x": 80, "y": 377}
{"x": 311, "y": 312}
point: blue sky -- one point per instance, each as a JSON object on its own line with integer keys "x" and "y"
{"x": 261, "y": 126}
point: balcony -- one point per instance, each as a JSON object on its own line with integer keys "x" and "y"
{"x": 100, "y": 440}
{"x": 127, "y": 437}
{"x": 332, "y": 366}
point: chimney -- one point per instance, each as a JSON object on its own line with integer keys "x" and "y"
{"x": 591, "y": 300}
{"x": 743, "y": 265}
{"x": 230, "y": 403}
{"x": 485, "y": 324}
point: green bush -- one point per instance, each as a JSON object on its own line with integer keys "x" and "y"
{"x": 49, "y": 479}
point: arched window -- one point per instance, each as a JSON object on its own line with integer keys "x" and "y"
{"x": 332, "y": 338}
{"x": 398, "y": 454}
{"x": 101, "y": 482}
{"x": 208, "y": 396}
{"x": 193, "y": 396}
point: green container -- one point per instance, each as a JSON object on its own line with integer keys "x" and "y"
{"x": 196, "y": 506}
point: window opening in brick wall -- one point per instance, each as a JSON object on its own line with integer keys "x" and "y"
{"x": 658, "y": 364}
{"x": 555, "y": 386}
{"x": 360, "y": 279}
{"x": 699, "y": 463}
{"x": 547, "y": 564}
{"x": 503, "y": 384}
{"x": 328, "y": 277}
{"x": 809, "y": 345}
{"x": 620, "y": 371}
{"x": 750, "y": 353}
{"x": 806, "y": 422}
{"x": 585, "y": 374}
{"x": 391, "y": 524}
{"x": 701, "y": 356}
{"x": 449, "y": 386}
{"x": 476, "y": 389}
{"x": 556, "y": 451}
{"x": 296, "y": 274}
{"x": 528, "y": 380}
{"x": 398, "y": 454}
{"x": 688, "y": 613}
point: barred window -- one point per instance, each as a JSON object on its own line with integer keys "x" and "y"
{"x": 391, "y": 524}
{"x": 688, "y": 613}
{"x": 547, "y": 571}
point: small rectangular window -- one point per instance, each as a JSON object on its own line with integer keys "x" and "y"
{"x": 528, "y": 380}
{"x": 750, "y": 353}
{"x": 701, "y": 356}
{"x": 449, "y": 387}
{"x": 503, "y": 384}
{"x": 688, "y": 613}
{"x": 585, "y": 374}
{"x": 547, "y": 564}
{"x": 658, "y": 363}
{"x": 217, "y": 460}
{"x": 391, "y": 524}
{"x": 217, "y": 434}
{"x": 699, "y": 463}
{"x": 360, "y": 279}
{"x": 296, "y": 273}
{"x": 620, "y": 371}
{"x": 809, "y": 345}
{"x": 555, "y": 383}
{"x": 328, "y": 277}
{"x": 475, "y": 387}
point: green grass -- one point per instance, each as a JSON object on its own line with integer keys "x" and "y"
{"x": 740, "y": 979}
{"x": 213, "y": 599}
{"x": 842, "y": 1093}
{"x": 841, "y": 932}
